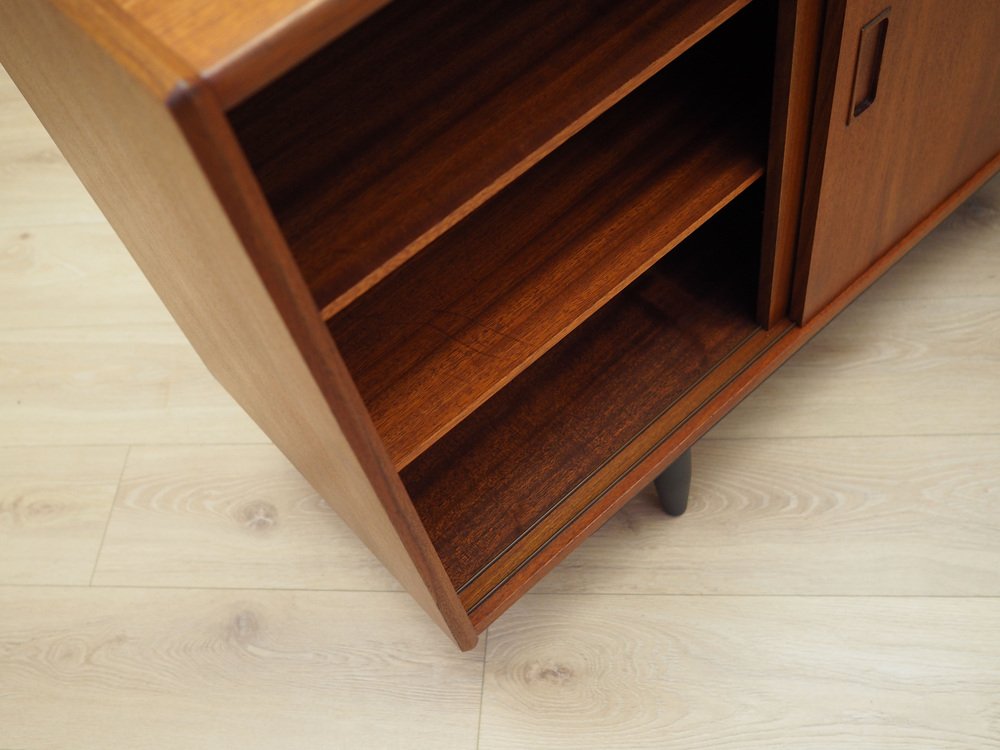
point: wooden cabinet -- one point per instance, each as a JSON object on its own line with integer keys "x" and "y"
{"x": 908, "y": 114}
{"x": 483, "y": 270}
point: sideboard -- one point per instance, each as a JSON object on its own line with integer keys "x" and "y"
{"x": 482, "y": 271}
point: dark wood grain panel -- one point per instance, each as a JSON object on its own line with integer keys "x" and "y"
{"x": 524, "y": 452}
{"x": 514, "y": 574}
{"x": 606, "y": 490}
{"x": 375, "y": 146}
{"x": 445, "y": 332}
{"x": 238, "y": 46}
{"x": 934, "y": 123}
{"x": 798, "y": 38}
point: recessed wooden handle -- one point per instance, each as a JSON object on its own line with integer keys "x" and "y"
{"x": 871, "y": 45}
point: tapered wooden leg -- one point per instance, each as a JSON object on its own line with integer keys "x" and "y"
{"x": 674, "y": 485}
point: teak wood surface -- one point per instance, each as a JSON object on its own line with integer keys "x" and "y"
{"x": 797, "y": 44}
{"x": 158, "y": 157}
{"x": 445, "y": 332}
{"x": 934, "y": 122}
{"x": 142, "y": 105}
{"x": 423, "y": 115}
{"x": 159, "y": 557}
{"x": 238, "y": 46}
{"x": 585, "y": 401}
{"x": 756, "y": 360}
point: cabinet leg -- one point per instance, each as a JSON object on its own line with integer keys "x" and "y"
{"x": 674, "y": 485}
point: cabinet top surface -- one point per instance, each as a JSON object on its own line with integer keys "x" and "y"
{"x": 238, "y": 46}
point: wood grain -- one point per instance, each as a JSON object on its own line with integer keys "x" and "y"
{"x": 44, "y": 269}
{"x": 93, "y": 668}
{"x": 492, "y": 478}
{"x": 228, "y": 516}
{"x": 797, "y": 43}
{"x": 443, "y": 334}
{"x": 54, "y": 504}
{"x": 887, "y": 368}
{"x": 632, "y": 468}
{"x": 961, "y": 258}
{"x": 743, "y": 379}
{"x": 376, "y": 146}
{"x": 821, "y": 680}
{"x": 857, "y": 516}
{"x": 172, "y": 181}
{"x": 37, "y": 186}
{"x": 872, "y": 181}
{"x": 112, "y": 385}
{"x": 743, "y": 672}
{"x": 240, "y": 45}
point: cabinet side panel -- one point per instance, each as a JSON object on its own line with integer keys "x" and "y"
{"x": 131, "y": 154}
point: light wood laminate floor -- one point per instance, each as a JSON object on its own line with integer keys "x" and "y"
{"x": 167, "y": 580}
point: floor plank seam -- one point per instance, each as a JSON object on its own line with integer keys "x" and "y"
{"x": 107, "y": 521}
{"x": 68, "y": 446}
{"x": 860, "y": 302}
{"x": 71, "y": 223}
{"x": 137, "y": 587}
{"x": 482, "y": 689}
{"x": 81, "y": 327}
{"x": 714, "y": 595}
{"x": 901, "y": 435}
{"x": 630, "y": 594}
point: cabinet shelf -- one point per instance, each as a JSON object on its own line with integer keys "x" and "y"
{"x": 378, "y": 144}
{"x": 442, "y": 334}
{"x": 492, "y": 491}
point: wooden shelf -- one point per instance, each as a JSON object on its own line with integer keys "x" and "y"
{"x": 376, "y": 145}
{"x": 492, "y": 491}
{"x": 434, "y": 340}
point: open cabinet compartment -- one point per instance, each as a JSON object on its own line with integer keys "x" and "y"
{"x": 384, "y": 139}
{"x": 448, "y": 329}
{"x": 527, "y": 304}
{"x": 499, "y": 486}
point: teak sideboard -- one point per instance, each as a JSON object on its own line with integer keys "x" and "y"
{"x": 482, "y": 270}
